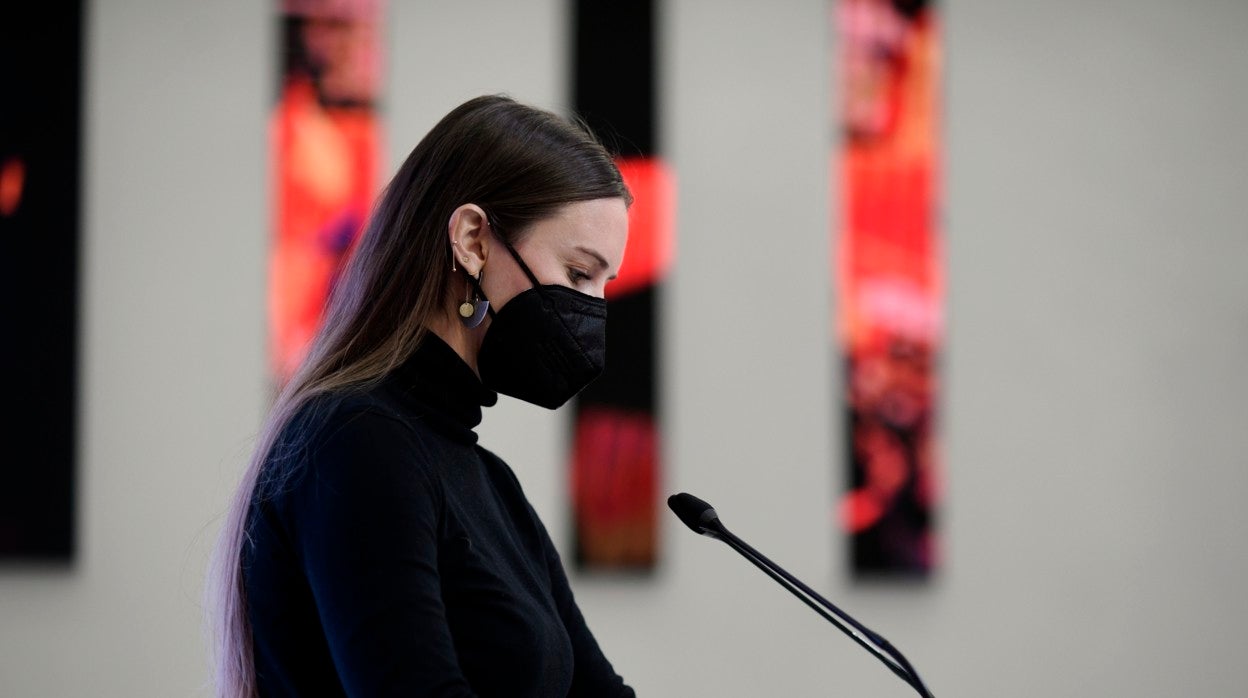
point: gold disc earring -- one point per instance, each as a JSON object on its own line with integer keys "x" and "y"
{"x": 469, "y": 307}
{"x": 472, "y": 311}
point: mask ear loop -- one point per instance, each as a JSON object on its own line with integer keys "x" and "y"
{"x": 473, "y": 310}
{"x": 523, "y": 267}
{"x": 514, "y": 255}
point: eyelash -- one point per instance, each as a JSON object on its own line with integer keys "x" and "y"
{"x": 576, "y": 275}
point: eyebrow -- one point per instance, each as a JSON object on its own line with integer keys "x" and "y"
{"x": 601, "y": 260}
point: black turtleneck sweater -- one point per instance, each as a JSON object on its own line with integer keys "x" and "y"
{"x": 389, "y": 554}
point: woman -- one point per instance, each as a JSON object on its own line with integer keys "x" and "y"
{"x": 373, "y": 548}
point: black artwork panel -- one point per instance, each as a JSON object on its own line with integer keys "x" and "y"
{"x": 613, "y": 74}
{"x": 616, "y": 464}
{"x": 40, "y": 51}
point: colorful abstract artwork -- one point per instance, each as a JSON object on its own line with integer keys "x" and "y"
{"x": 616, "y": 454}
{"x": 40, "y": 166}
{"x": 325, "y": 137}
{"x": 888, "y": 265}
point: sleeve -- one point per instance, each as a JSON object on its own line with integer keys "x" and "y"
{"x": 366, "y": 527}
{"x": 593, "y": 675}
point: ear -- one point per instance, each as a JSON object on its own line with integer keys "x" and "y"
{"x": 469, "y": 236}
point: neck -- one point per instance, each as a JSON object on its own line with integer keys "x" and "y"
{"x": 465, "y": 342}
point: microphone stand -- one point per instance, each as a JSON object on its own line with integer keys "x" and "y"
{"x": 700, "y": 517}
{"x": 866, "y": 638}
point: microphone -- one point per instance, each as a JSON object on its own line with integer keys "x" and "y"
{"x": 696, "y": 514}
{"x": 703, "y": 520}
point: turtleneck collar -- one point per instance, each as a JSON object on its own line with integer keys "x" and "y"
{"x": 443, "y": 388}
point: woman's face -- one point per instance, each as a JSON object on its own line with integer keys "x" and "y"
{"x": 581, "y": 246}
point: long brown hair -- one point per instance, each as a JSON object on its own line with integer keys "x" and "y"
{"x": 518, "y": 163}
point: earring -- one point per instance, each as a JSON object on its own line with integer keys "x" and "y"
{"x": 454, "y": 244}
{"x": 472, "y": 310}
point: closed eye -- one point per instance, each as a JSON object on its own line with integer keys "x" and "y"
{"x": 599, "y": 260}
{"x": 576, "y": 276}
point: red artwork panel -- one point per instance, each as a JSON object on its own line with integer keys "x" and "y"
{"x": 891, "y": 281}
{"x": 325, "y": 139}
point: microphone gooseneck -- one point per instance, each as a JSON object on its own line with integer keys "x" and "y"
{"x": 702, "y": 519}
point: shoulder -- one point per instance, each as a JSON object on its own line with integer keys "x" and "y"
{"x": 349, "y": 441}
{"x": 508, "y": 484}
{"x": 503, "y": 471}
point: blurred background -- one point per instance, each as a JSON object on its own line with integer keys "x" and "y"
{"x": 1092, "y": 389}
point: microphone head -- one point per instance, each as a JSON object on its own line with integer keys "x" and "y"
{"x": 696, "y": 514}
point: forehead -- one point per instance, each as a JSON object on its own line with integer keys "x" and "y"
{"x": 600, "y": 225}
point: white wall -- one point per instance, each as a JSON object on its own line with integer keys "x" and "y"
{"x": 1097, "y": 166}
{"x": 172, "y": 347}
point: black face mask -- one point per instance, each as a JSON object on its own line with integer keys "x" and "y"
{"x": 546, "y": 344}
